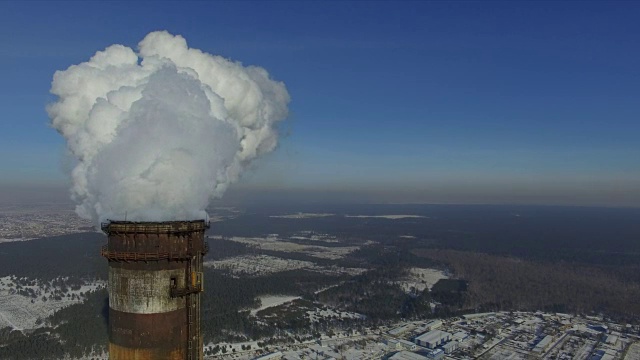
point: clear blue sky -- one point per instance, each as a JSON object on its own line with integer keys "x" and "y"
{"x": 497, "y": 102}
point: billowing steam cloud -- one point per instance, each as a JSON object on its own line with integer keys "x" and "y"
{"x": 157, "y": 134}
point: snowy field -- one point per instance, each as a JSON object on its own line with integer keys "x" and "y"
{"x": 301, "y": 216}
{"x": 15, "y": 239}
{"x": 421, "y": 279}
{"x": 259, "y": 265}
{"x": 634, "y": 352}
{"x": 101, "y": 356}
{"x": 22, "y": 312}
{"x": 407, "y": 236}
{"x": 269, "y": 301}
{"x": 319, "y": 314}
{"x": 391, "y": 217}
{"x": 276, "y": 244}
{"x": 314, "y": 236}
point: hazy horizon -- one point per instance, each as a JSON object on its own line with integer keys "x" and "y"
{"x": 59, "y": 195}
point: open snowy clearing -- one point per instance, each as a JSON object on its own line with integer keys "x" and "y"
{"x": 314, "y": 236}
{"x": 275, "y": 244}
{"x": 15, "y": 240}
{"x": 301, "y": 216}
{"x": 634, "y": 352}
{"x": 269, "y": 301}
{"x": 259, "y": 265}
{"x": 391, "y": 217}
{"x": 319, "y": 314}
{"x": 421, "y": 279}
{"x": 22, "y": 312}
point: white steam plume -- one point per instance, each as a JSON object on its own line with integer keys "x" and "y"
{"x": 160, "y": 132}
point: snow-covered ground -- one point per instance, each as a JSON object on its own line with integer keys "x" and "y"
{"x": 407, "y": 236}
{"x": 634, "y": 352}
{"x": 22, "y": 312}
{"x": 421, "y": 279}
{"x": 27, "y": 223}
{"x": 239, "y": 353}
{"x": 96, "y": 356}
{"x": 318, "y": 314}
{"x": 314, "y": 236}
{"x": 276, "y": 244}
{"x": 301, "y": 216}
{"x": 15, "y": 239}
{"x": 258, "y": 265}
{"x": 269, "y": 301}
{"x": 391, "y": 217}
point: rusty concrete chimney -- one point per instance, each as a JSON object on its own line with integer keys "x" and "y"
{"x": 155, "y": 281}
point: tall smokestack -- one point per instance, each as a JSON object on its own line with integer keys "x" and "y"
{"x": 155, "y": 281}
{"x": 157, "y": 133}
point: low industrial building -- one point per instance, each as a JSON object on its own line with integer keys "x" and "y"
{"x": 428, "y": 326}
{"x": 543, "y": 345}
{"x": 401, "y": 330}
{"x": 433, "y": 324}
{"x": 407, "y": 345}
{"x": 433, "y": 339}
{"x": 477, "y": 315}
{"x": 460, "y": 336}
{"x": 450, "y": 347}
{"x": 392, "y": 343}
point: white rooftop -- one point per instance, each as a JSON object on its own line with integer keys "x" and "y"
{"x": 432, "y": 336}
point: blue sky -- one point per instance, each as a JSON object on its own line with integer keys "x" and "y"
{"x": 492, "y": 102}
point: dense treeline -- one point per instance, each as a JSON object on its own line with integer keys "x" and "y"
{"x": 77, "y": 330}
{"x": 83, "y": 327}
{"x": 223, "y": 248}
{"x": 450, "y": 292}
{"x": 74, "y": 256}
{"x": 37, "y": 345}
{"x": 541, "y": 233}
{"x": 376, "y": 295}
{"x": 226, "y": 300}
{"x": 505, "y": 283}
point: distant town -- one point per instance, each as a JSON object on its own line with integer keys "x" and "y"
{"x": 26, "y": 223}
{"x": 494, "y": 335}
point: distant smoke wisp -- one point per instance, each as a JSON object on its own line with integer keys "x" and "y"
{"x": 160, "y": 132}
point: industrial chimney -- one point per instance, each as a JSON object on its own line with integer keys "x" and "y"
{"x": 155, "y": 281}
